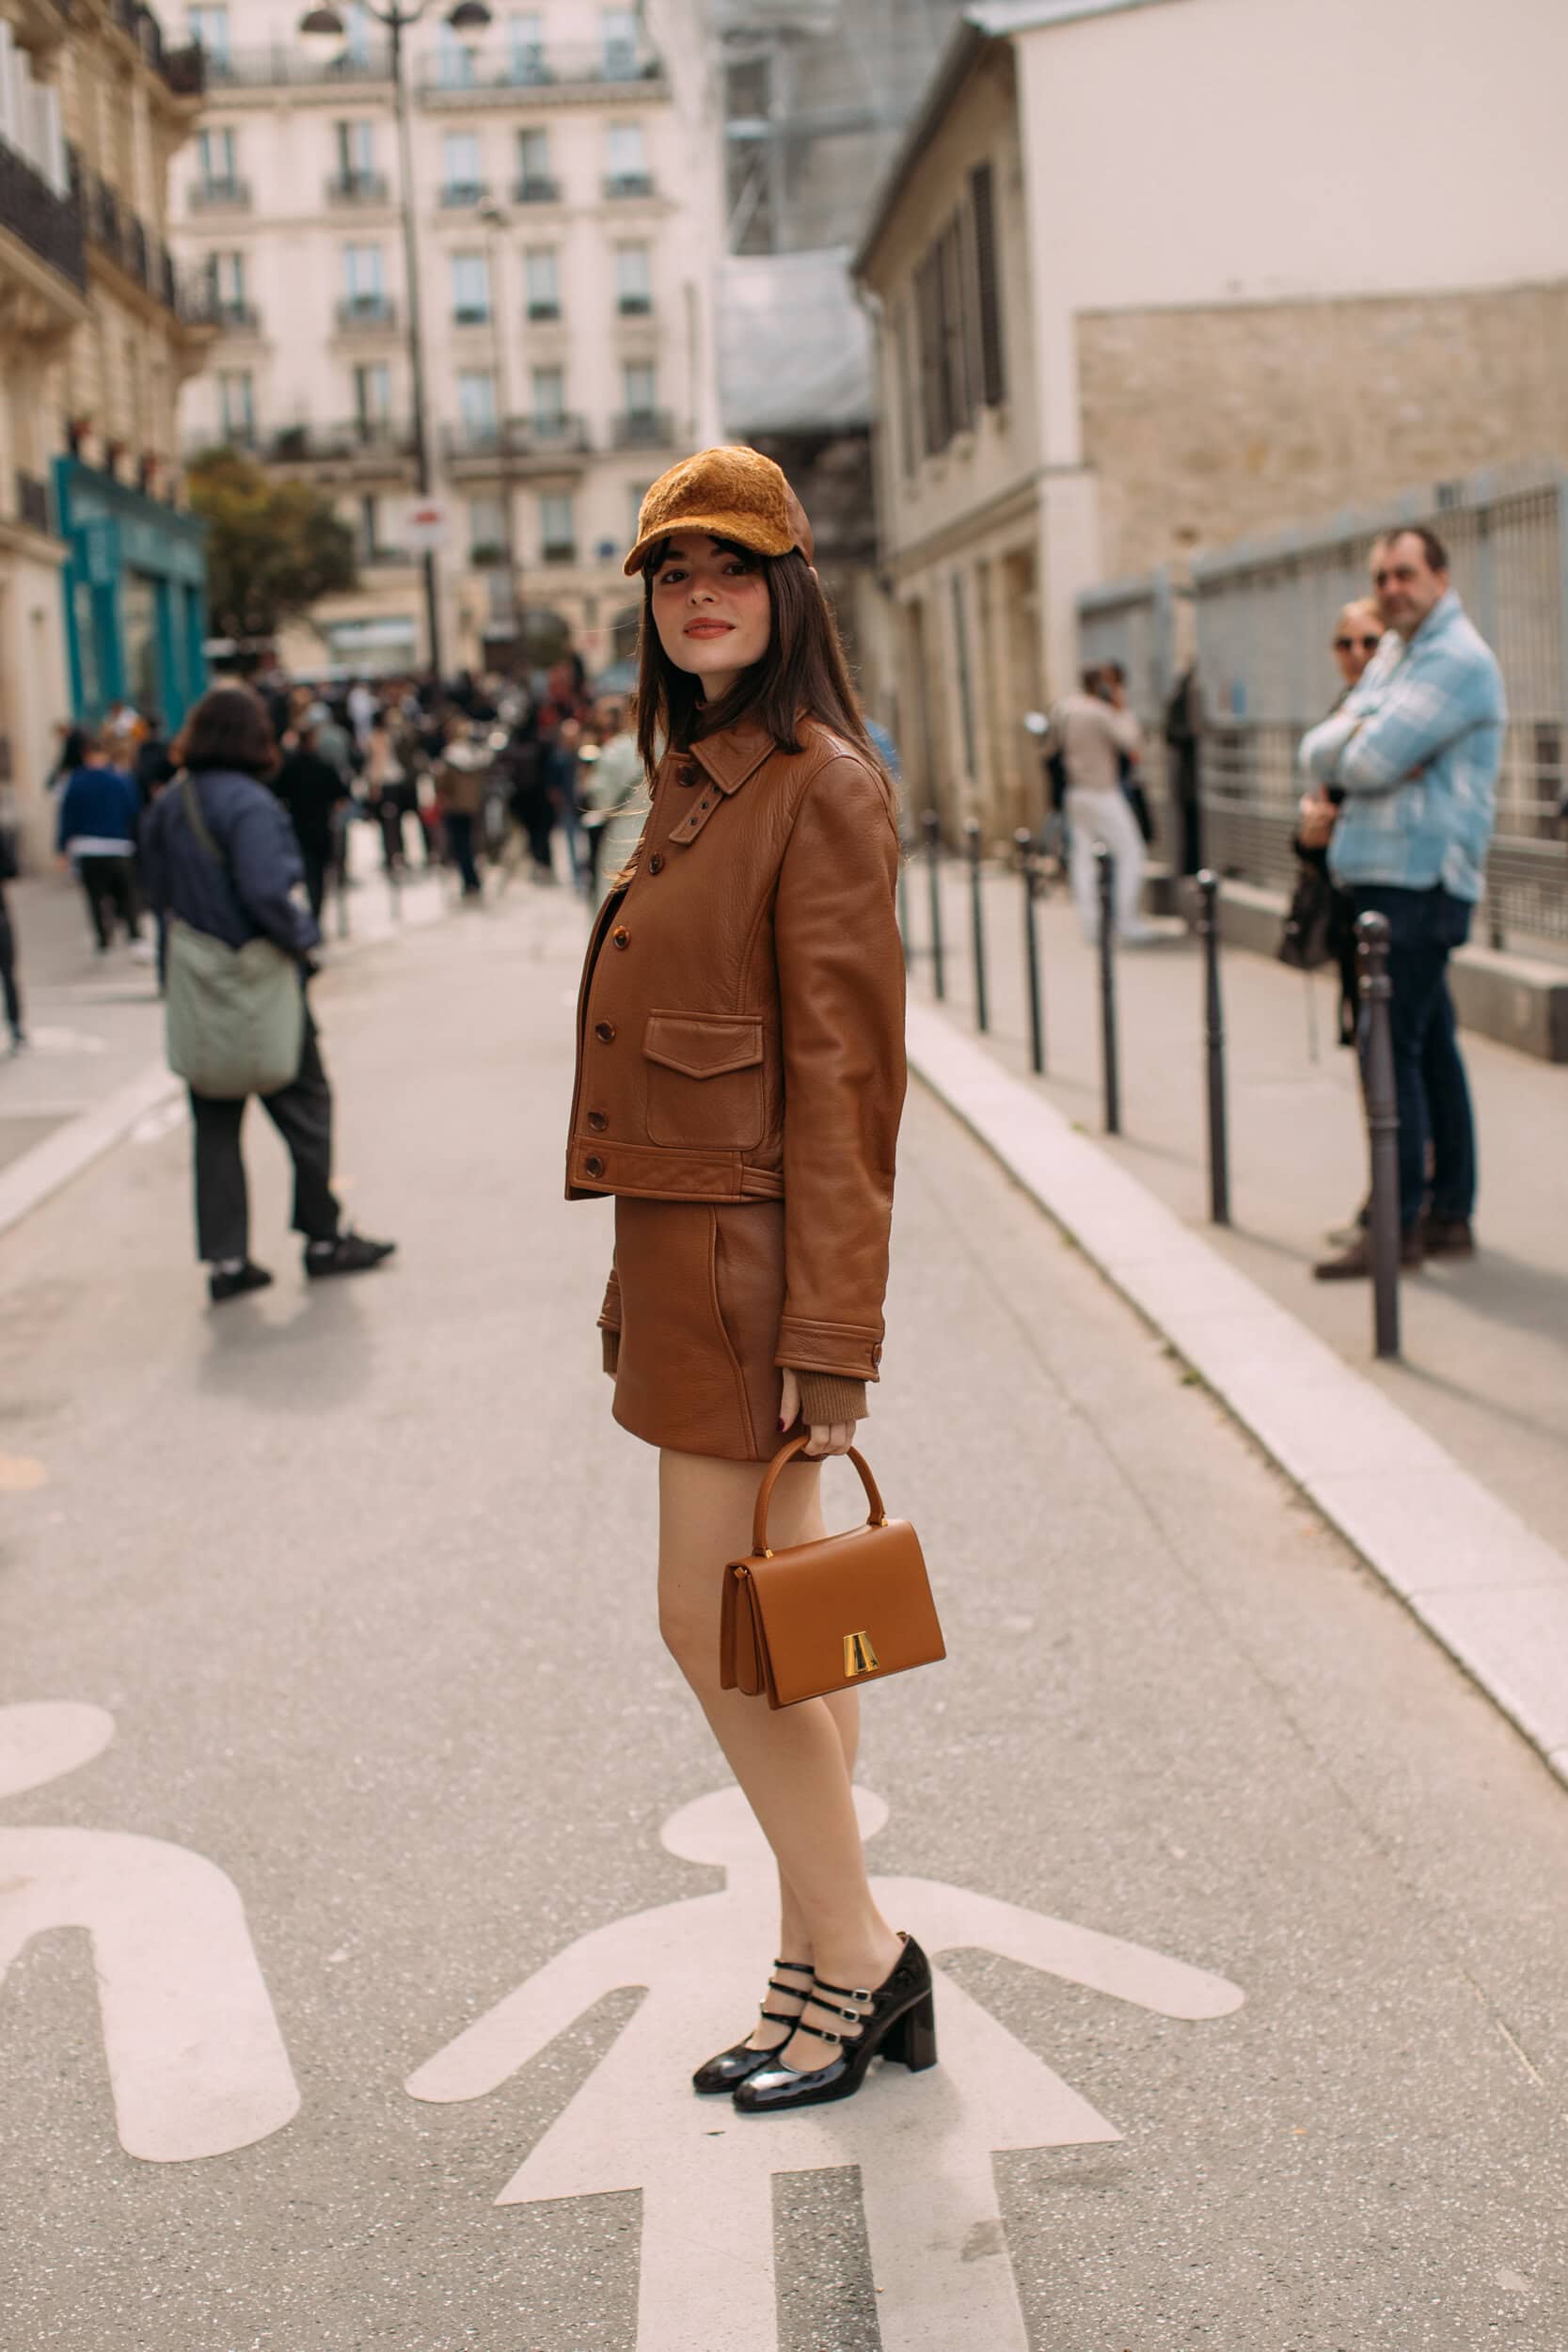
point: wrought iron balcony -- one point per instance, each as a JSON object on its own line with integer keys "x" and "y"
{"x": 283, "y": 64}
{"x": 471, "y": 315}
{"x": 50, "y": 225}
{"x": 644, "y": 428}
{"x": 634, "y": 305}
{"x": 220, "y": 196}
{"x": 359, "y": 312}
{"x": 539, "y": 438}
{"x": 234, "y": 317}
{"x": 623, "y": 184}
{"x": 370, "y": 443}
{"x": 541, "y": 312}
{"x": 537, "y": 189}
{"x": 463, "y": 195}
{"x": 542, "y": 67}
{"x": 357, "y": 187}
{"x": 560, "y": 551}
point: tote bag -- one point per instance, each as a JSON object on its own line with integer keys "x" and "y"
{"x": 233, "y": 1017}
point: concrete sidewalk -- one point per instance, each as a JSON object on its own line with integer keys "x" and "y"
{"x": 363, "y": 1574}
{"x": 1484, "y": 1367}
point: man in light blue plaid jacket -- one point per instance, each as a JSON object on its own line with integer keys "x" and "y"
{"x": 1412, "y": 755}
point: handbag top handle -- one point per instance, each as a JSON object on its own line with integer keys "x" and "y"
{"x": 764, "y": 1492}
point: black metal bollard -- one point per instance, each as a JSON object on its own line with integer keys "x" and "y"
{"x": 1383, "y": 1129}
{"x": 1107, "y": 870}
{"x": 976, "y": 923}
{"x": 932, "y": 823}
{"x": 1023, "y": 842}
{"x": 1213, "y": 1032}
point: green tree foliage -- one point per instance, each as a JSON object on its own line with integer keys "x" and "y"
{"x": 272, "y": 547}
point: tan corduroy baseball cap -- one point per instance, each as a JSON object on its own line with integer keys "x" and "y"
{"x": 734, "y": 493}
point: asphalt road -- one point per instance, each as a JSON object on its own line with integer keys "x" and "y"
{"x": 363, "y": 1576}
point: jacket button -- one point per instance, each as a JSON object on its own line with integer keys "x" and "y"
{"x": 593, "y": 1165}
{"x": 619, "y": 936}
{"x": 686, "y": 776}
{"x": 605, "y": 1032}
{"x": 655, "y": 863}
{"x": 599, "y": 1122}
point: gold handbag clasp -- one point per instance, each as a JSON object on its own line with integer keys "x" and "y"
{"x": 859, "y": 1656}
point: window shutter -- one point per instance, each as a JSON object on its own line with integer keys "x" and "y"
{"x": 993, "y": 381}
{"x": 933, "y": 406}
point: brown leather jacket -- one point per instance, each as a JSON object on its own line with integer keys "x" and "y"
{"x": 740, "y": 1026}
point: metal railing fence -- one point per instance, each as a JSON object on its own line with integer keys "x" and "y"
{"x": 1264, "y": 613}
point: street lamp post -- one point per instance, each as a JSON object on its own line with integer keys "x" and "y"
{"x": 496, "y": 222}
{"x": 323, "y": 26}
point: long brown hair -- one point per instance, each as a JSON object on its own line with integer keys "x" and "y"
{"x": 801, "y": 675}
{"x": 228, "y": 728}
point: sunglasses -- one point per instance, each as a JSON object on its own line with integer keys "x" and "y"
{"x": 1348, "y": 644}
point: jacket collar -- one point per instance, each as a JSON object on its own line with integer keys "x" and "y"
{"x": 736, "y": 754}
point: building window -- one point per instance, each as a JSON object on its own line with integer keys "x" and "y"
{"x": 640, "y": 394}
{"x": 456, "y": 59}
{"x": 557, "y": 529}
{"x": 372, "y": 398}
{"x": 470, "y": 288}
{"x": 535, "y": 185}
{"x": 634, "y": 287}
{"x": 237, "y": 406}
{"x": 353, "y": 144}
{"x": 476, "y": 406}
{"x": 461, "y": 182}
{"x": 542, "y": 276}
{"x": 627, "y": 160}
{"x": 635, "y": 497}
{"x": 210, "y": 26}
{"x": 988, "y": 286}
{"x": 549, "y": 399}
{"x": 215, "y": 154}
{"x": 357, "y": 26}
{"x": 903, "y": 358}
{"x": 227, "y": 285}
{"x": 749, "y": 151}
{"x": 528, "y": 47}
{"x": 486, "y": 531}
{"x": 618, "y": 38}
{"x": 362, "y": 272}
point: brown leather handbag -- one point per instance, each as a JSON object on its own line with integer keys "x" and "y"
{"x": 827, "y": 1615}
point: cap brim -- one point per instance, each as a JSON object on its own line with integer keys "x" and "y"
{"x": 743, "y": 529}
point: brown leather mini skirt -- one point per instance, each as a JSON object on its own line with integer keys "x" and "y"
{"x": 701, "y": 1291}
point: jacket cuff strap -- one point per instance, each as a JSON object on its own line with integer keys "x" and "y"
{"x": 610, "y": 1342}
{"x": 826, "y": 1397}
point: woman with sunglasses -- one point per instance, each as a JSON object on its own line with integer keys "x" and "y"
{"x": 1358, "y": 634}
{"x": 740, "y": 1076}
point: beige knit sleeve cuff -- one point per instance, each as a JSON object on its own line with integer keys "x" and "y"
{"x": 826, "y": 1397}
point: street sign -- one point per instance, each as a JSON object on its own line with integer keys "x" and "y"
{"x": 424, "y": 525}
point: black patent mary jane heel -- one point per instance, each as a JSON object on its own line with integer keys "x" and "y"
{"x": 900, "y": 2023}
{"x": 734, "y": 2065}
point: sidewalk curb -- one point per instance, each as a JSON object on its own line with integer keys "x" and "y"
{"x": 1493, "y": 1592}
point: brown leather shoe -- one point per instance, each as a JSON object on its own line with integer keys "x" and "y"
{"x": 1355, "y": 1263}
{"x": 1447, "y": 1238}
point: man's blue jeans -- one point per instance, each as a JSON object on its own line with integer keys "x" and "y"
{"x": 1424, "y": 927}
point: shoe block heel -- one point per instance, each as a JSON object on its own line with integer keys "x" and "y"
{"x": 913, "y": 2040}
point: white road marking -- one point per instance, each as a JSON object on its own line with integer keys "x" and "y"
{"x": 65, "y": 1042}
{"x": 924, "y": 2144}
{"x": 162, "y": 1120}
{"x": 197, "y": 2064}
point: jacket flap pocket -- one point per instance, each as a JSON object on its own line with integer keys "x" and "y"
{"x": 703, "y": 1044}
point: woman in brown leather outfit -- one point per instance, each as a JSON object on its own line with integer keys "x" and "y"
{"x": 740, "y": 1075}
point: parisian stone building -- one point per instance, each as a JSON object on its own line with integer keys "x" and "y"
{"x": 101, "y": 574}
{"x": 565, "y": 194}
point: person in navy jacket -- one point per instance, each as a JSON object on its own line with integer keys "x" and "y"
{"x": 254, "y": 888}
{"x": 96, "y": 832}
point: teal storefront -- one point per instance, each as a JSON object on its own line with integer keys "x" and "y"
{"x": 136, "y": 596}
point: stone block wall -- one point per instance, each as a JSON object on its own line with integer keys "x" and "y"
{"x": 1207, "y": 424}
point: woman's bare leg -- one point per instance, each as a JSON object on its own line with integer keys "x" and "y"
{"x": 793, "y": 1763}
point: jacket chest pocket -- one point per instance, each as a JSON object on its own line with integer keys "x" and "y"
{"x": 705, "y": 1078}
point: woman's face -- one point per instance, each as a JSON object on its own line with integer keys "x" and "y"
{"x": 1357, "y": 635}
{"x": 711, "y": 610}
